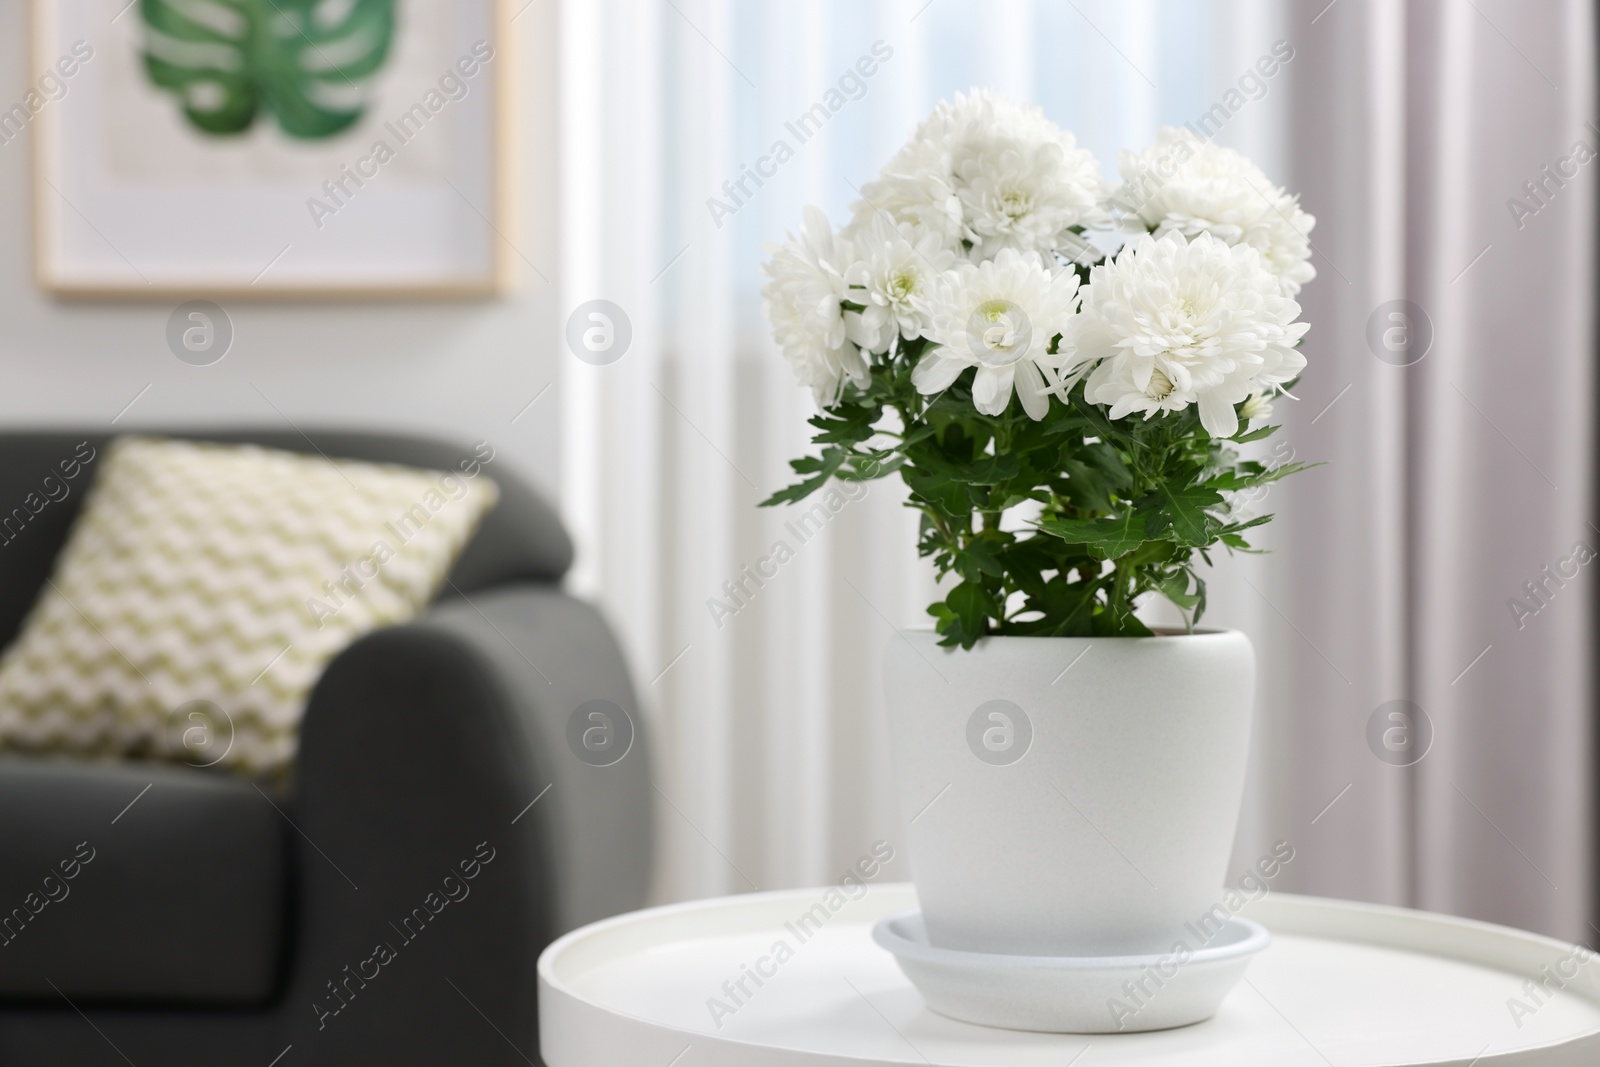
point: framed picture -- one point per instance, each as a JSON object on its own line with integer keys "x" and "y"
{"x": 304, "y": 148}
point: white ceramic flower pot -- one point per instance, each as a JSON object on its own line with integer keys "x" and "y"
{"x": 1069, "y": 796}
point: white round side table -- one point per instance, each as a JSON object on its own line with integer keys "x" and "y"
{"x": 706, "y": 984}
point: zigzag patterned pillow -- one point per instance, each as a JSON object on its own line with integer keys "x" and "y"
{"x": 204, "y": 588}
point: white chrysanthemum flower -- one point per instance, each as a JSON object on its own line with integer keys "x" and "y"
{"x": 1172, "y": 322}
{"x": 1257, "y": 406}
{"x": 992, "y": 173}
{"x": 1021, "y": 196}
{"x": 1000, "y": 316}
{"x": 1195, "y": 186}
{"x": 917, "y": 188}
{"x": 804, "y": 302}
{"x": 894, "y": 277}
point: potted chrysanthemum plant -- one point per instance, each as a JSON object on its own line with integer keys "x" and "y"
{"x": 1069, "y": 425}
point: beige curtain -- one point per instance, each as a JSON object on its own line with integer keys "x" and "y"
{"x": 1460, "y": 443}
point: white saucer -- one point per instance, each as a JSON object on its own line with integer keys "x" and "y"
{"x": 1074, "y": 994}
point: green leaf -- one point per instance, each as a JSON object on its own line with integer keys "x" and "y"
{"x": 1230, "y": 534}
{"x": 864, "y": 467}
{"x": 931, "y": 486}
{"x": 846, "y": 425}
{"x": 303, "y": 61}
{"x": 1235, "y": 527}
{"x": 1087, "y": 486}
{"x": 1181, "y": 514}
{"x": 1256, "y": 434}
{"x": 964, "y": 615}
{"x": 1014, "y": 499}
{"x": 984, "y": 470}
{"x": 972, "y": 604}
{"x": 1250, "y": 475}
{"x": 820, "y": 467}
{"x": 1106, "y": 538}
{"x": 1175, "y": 587}
{"x": 985, "y": 555}
{"x": 1095, "y": 416}
{"x": 1112, "y": 623}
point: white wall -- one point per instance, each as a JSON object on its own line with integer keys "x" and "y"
{"x": 458, "y": 369}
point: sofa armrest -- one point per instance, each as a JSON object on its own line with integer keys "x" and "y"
{"x": 444, "y": 816}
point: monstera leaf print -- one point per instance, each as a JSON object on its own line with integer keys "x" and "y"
{"x": 304, "y": 61}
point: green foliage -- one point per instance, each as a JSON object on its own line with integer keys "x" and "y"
{"x": 227, "y": 60}
{"x": 1125, "y": 508}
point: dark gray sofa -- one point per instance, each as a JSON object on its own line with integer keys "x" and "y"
{"x": 387, "y": 907}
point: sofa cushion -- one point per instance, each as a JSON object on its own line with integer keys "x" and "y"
{"x": 205, "y": 587}
{"x": 139, "y": 882}
{"x": 44, "y": 476}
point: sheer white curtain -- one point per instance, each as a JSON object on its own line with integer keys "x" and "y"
{"x": 770, "y": 764}
{"x": 1404, "y": 126}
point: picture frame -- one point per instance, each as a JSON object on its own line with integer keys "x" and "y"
{"x": 165, "y": 164}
